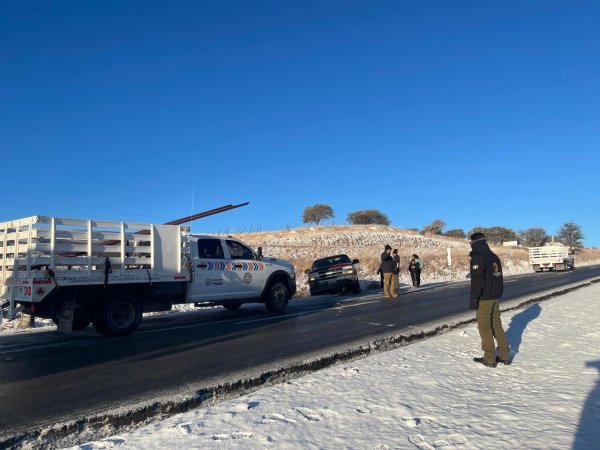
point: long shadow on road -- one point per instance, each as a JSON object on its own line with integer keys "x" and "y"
{"x": 588, "y": 432}
{"x": 518, "y": 324}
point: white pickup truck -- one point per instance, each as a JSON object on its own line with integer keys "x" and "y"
{"x": 551, "y": 257}
{"x": 78, "y": 272}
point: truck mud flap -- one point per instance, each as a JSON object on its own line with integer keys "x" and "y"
{"x": 67, "y": 314}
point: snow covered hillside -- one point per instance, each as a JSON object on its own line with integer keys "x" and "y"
{"x": 428, "y": 395}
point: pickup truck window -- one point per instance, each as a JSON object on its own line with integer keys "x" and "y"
{"x": 210, "y": 249}
{"x": 239, "y": 251}
{"x": 325, "y": 262}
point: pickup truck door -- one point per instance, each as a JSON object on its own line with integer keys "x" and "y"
{"x": 210, "y": 277}
{"x": 247, "y": 274}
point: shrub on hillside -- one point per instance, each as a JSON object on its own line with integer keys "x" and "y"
{"x": 436, "y": 227}
{"x": 457, "y": 233}
{"x": 368, "y": 217}
{"x": 496, "y": 235}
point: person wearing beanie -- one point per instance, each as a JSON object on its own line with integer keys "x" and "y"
{"x": 487, "y": 285}
{"x": 387, "y": 267}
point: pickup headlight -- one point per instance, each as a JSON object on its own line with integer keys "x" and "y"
{"x": 349, "y": 271}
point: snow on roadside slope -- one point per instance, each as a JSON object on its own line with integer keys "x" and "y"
{"x": 426, "y": 395}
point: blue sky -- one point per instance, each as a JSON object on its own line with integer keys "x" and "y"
{"x": 478, "y": 113}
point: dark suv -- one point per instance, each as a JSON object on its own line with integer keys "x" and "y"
{"x": 333, "y": 273}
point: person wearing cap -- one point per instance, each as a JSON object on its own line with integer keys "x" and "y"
{"x": 487, "y": 285}
{"x": 387, "y": 267}
{"x": 396, "y": 278}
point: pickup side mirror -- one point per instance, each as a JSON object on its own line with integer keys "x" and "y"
{"x": 259, "y": 254}
{"x": 307, "y": 271}
{"x": 355, "y": 261}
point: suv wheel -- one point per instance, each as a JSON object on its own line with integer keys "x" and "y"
{"x": 277, "y": 297}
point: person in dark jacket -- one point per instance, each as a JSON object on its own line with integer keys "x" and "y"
{"x": 487, "y": 285}
{"x": 396, "y": 277}
{"x": 387, "y": 267}
{"x": 414, "y": 267}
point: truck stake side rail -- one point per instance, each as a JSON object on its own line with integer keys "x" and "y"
{"x": 40, "y": 253}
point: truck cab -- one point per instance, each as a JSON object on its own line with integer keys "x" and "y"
{"x": 227, "y": 271}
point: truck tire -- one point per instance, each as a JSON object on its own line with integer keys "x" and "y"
{"x": 118, "y": 316}
{"x": 277, "y": 297}
{"x": 231, "y": 306}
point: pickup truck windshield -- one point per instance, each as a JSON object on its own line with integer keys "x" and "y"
{"x": 325, "y": 262}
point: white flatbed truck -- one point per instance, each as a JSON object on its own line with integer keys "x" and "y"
{"x": 78, "y": 272}
{"x": 551, "y": 257}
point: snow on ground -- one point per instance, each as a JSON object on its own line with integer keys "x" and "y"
{"x": 426, "y": 395}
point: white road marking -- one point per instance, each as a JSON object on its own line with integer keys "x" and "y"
{"x": 356, "y": 304}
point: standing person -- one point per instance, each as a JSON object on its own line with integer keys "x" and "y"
{"x": 387, "y": 267}
{"x": 417, "y": 270}
{"x": 396, "y": 278}
{"x": 411, "y": 269}
{"x": 487, "y": 285}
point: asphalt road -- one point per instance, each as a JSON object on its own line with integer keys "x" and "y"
{"x": 46, "y": 377}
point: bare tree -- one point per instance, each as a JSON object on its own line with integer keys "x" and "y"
{"x": 532, "y": 237}
{"x": 317, "y": 213}
{"x": 570, "y": 234}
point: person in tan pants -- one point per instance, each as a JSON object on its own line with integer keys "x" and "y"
{"x": 387, "y": 267}
{"x": 487, "y": 286}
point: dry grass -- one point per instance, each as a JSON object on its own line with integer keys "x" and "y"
{"x": 303, "y": 245}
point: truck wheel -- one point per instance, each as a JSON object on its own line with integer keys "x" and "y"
{"x": 277, "y": 297}
{"x": 231, "y": 306}
{"x": 118, "y": 316}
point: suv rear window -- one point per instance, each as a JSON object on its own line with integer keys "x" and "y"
{"x": 325, "y": 262}
{"x": 210, "y": 249}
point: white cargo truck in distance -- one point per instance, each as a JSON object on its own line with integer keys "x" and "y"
{"x": 78, "y": 272}
{"x": 551, "y": 257}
